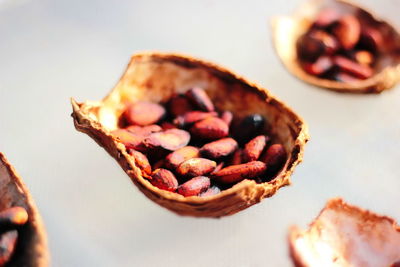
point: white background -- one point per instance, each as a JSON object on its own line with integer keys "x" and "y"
{"x": 53, "y": 50}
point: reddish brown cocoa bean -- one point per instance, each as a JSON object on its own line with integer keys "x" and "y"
{"x": 254, "y": 148}
{"x": 194, "y": 186}
{"x": 364, "y": 57}
{"x": 174, "y": 159}
{"x": 212, "y": 191}
{"x": 347, "y": 30}
{"x": 309, "y": 48}
{"x": 130, "y": 140}
{"x": 192, "y": 117}
{"x": 179, "y": 105}
{"x": 8, "y": 241}
{"x": 141, "y": 161}
{"x": 13, "y": 216}
{"x": 331, "y": 44}
{"x": 200, "y": 98}
{"x": 236, "y": 157}
{"x": 220, "y": 148}
{"x": 237, "y": 173}
{"x": 319, "y": 67}
{"x": 144, "y": 113}
{"x": 164, "y": 179}
{"x": 349, "y": 66}
{"x": 274, "y": 157}
{"x": 211, "y": 128}
{"x": 172, "y": 139}
{"x": 145, "y": 130}
{"x": 326, "y": 18}
{"x": 227, "y": 117}
{"x": 196, "y": 167}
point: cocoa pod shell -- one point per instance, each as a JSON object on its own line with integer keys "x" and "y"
{"x": 171, "y": 74}
{"x": 31, "y": 249}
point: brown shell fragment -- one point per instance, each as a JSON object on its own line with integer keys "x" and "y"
{"x": 156, "y": 77}
{"x": 194, "y": 186}
{"x": 196, "y": 167}
{"x": 220, "y": 148}
{"x": 19, "y": 209}
{"x": 210, "y": 128}
{"x": 346, "y": 235}
{"x": 171, "y": 139}
{"x": 174, "y": 159}
{"x": 236, "y": 173}
{"x": 144, "y": 113}
{"x": 328, "y": 15}
{"x": 164, "y": 179}
{"x": 199, "y": 97}
{"x": 254, "y": 148}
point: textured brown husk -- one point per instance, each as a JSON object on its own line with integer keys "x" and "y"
{"x": 156, "y": 77}
{"x": 31, "y": 247}
{"x": 287, "y": 29}
{"x": 380, "y": 234}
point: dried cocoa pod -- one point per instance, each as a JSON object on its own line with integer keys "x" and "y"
{"x": 12, "y": 217}
{"x": 249, "y": 127}
{"x": 144, "y": 113}
{"x": 326, "y": 17}
{"x": 309, "y": 48}
{"x": 254, "y": 148}
{"x": 210, "y": 128}
{"x": 164, "y": 179}
{"x": 141, "y": 161}
{"x": 8, "y": 241}
{"x": 172, "y": 139}
{"x": 237, "y": 173}
{"x": 194, "y": 186}
{"x": 358, "y": 70}
{"x": 347, "y": 30}
{"x": 179, "y": 105}
{"x": 212, "y": 191}
{"x": 145, "y": 130}
{"x": 97, "y": 118}
{"x": 274, "y": 157}
{"x": 199, "y": 97}
{"x": 191, "y": 117}
{"x": 364, "y": 57}
{"x": 19, "y": 208}
{"x": 220, "y": 148}
{"x": 227, "y": 117}
{"x": 319, "y": 67}
{"x": 174, "y": 159}
{"x": 196, "y": 167}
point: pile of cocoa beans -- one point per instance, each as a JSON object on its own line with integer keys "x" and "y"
{"x": 339, "y": 47}
{"x": 186, "y": 146}
{"x": 11, "y": 220}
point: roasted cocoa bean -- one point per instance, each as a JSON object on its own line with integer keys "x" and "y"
{"x": 179, "y": 105}
{"x": 347, "y": 30}
{"x": 309, "y": 48}
{"x": 194, "y": 186}
{"x": 351, "y": 67}
{"x": 331, "y": 44}
{"x": 210, "y": 128}
{"x": 199, "y": 98}
{"x": 164, "y": 179}
{"x": 254, "y": 148}
{"x": 8, "y": 241}
{"x": 144, "y": 113}
{"x": 129, "y": 139}
{"x": 237, "y": 173}
{"x": 196, "y": 167}
{"x": 172, "y": 139}
{"x": 219, "y": 148}
{"x": 174, "y": 159}
{"x": 141, "y": 161}
{"x": 227, "y": 117}
{"x": 212, "y": 191}
{"x": 274, "y": 157}
{"x": 145, "y": 130}
{"x": 191, "y": 117}
{"x": 319, "y": 67}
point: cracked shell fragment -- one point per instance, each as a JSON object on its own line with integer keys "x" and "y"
{"x": 346, "y": 235}
{"x": 31, "y": 248}
{"x": 156, "y": 77}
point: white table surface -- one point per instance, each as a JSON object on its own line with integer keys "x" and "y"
{"x": 52, "y": 50}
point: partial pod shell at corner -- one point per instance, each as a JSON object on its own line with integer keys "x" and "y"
{"x": 31, "y": 249}
{"x": 286, "y": 31}
{"x": 156, "y": 77}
